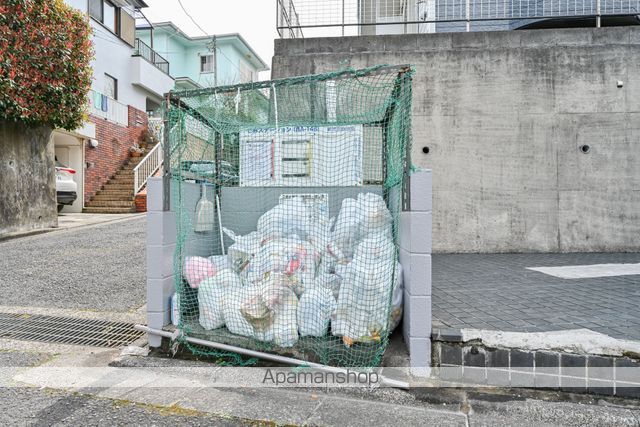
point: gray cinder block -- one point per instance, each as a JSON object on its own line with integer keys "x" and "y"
{"x": 160, "y": 261}
{"x": 418, "y": 316}
{"x": 161, "y": 228}
{"x": 158, "y": 319}
{"x": 159, "y": 293}
{"x": 420, "y": 198}
{"x": 417, "y": 274}
{"x": 415, "y": 231}
{"x": 154, "y": 194}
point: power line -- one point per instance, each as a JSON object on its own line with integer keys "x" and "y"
{"x": 214, "y": 43}
{"x": 191, "y": 17}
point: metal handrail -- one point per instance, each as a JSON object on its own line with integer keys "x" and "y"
{"x": 144, "y": 50}
{"x": 331, "y": 18}
{"x": 148, "y": 166}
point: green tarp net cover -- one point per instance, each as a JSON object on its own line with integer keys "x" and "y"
{"x": 287, "y": 196}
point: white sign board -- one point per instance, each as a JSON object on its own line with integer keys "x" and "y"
{"x": 302, "y": 156}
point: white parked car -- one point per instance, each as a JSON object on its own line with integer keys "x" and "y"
{"x": 66, "y": 187}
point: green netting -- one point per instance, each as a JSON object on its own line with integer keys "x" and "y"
{"x": 287, "y": 195}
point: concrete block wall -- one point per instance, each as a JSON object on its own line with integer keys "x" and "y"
{"x": 26, "y": 170}
{"x": 415, "y": 258}
{"x": 161, "y": 245}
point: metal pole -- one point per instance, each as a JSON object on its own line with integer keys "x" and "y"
{"x": 166, "y": 176}
{"x": 265, "y": 356}
{"x": 468, "y": 15}
{"x": 598, "y": 17}
{"x": 342, "y": 18}
{"x": 215, "y": 61}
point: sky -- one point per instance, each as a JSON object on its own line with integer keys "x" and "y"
{"x": 255, "y": 20}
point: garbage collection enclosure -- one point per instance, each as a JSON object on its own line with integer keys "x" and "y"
{"x": 287, "y": 196}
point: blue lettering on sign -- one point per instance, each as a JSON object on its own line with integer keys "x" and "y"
{"x": 300, "y": 129}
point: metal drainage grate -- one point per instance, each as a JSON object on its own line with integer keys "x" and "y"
{"x": 67, "y": 330}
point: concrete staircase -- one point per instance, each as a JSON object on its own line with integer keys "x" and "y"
{"x": 116, "y": 196}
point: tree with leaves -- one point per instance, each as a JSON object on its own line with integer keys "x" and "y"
{"x": 45, "y": 54}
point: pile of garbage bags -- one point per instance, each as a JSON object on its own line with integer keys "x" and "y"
{"x": 300, "y": 274}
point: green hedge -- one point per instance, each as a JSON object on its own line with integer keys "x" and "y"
{"x": 45, "y": 55}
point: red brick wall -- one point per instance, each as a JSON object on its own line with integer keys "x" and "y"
{"x": 113, "y": 149}
{"x": 141, "y": 201}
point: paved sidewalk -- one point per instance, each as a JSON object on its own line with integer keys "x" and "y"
{"x": 498, "y": 292}
{"x": 72, "y": 220}
{"x": 159, "y": 402}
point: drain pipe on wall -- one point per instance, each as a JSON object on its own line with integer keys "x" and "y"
{"x": 265, "y": 356}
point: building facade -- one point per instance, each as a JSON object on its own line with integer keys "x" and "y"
{"x": 204, "y": 61}
{"x": 128, "y": 82}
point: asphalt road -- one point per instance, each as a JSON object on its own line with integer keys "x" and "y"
{"x": 98, "y": 267}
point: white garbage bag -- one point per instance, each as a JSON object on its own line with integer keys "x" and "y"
{"x": 396, "y": 299}
{"x": 319, "y": 234}
{"x": 359, "y": 218}
{"x": 314, "y": 311}
{"x": 345, "y": 232}
{"x": 375, "y": 218}
{"x": 329, "y": 281}
{"x": 259, "y": 315}
{"x": 267, "y": 312}
{"x": 211, "y": 297}
{"x": 296, "y": 259}
{"x": 243, "y": 249}
{"x": 284, "y": 302}
{"x": 362, "y": 312}
{"x": 234, "y": 319}
{"x": 290, "y": 217}
{"x": 220, "y": 262}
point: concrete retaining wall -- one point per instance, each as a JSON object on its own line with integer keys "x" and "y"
{"x": 504, "y": 116}
{"x": 27, "y": 179}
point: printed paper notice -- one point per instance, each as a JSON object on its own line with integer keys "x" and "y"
{"x": 256, "y": 161}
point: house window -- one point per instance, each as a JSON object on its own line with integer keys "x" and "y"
{"x": 206, "y": 64}
{"x": 110, "y": 17}
{"x": 95, "y": 9}
{"x": 106, "y": 13}
{"x": 110, "y": 86}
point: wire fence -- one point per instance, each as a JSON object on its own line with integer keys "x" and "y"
{"x": 305, "y": 18}
{"x": 288, "y": 195}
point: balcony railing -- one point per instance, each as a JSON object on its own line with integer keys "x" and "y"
{"x": 108, "y": 108}
{"x": 145, "y": 51}
{"x": 325, "y": 18}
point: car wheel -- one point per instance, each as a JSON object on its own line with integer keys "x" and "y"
{"x": 60, "y": 208}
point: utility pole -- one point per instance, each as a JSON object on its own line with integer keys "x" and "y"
{"x": 215, "y": 61}
{"x": 213, "y": 47}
